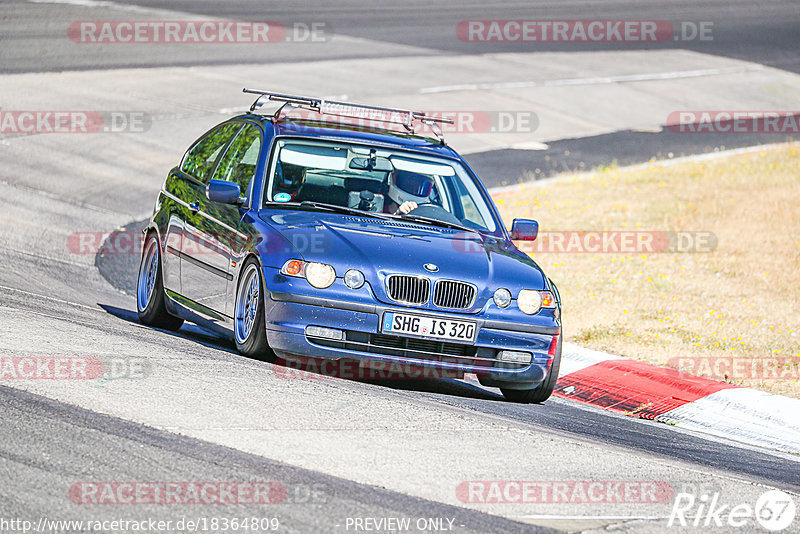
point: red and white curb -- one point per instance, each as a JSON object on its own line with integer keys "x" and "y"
{"x": 669, "y": 396}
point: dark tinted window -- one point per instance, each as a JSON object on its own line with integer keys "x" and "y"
{"x": 203, "y": 155}
{"x": 240, "y": 160}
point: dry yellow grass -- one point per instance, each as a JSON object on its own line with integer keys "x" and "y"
{"x": 731, "y": 314}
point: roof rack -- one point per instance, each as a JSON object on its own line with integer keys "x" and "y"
{"x": 404, "y": 117}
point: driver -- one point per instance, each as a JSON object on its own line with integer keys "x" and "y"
{"x": 289, "y": 180}
{"x": 407, "y": 190}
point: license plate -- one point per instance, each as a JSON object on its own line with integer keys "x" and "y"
{"x": 432, "y": 327}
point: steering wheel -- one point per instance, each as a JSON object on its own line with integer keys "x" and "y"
{"x": 419, "y": 205}
{"x": 435, "y": 211}
{"x": 423, "y": 204}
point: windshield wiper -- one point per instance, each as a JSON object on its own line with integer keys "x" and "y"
{"x": 344, "y": 209}
{"x": 437, "y": 222}
{"x": 377, "y": 215}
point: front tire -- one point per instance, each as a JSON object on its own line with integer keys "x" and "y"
{"x": 150, "y": 289}
{"x": 541, "y": 392}
{"x": 249, "y": 329}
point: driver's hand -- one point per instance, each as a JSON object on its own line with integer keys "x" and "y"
{"x": 407, "y": 207}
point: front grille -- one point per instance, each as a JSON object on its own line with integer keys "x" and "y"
{"x": 429, "y": 346}
{"x": 408, "y": 289}
{"x": 453, "y": 295}
{"x": 424, "y": 350}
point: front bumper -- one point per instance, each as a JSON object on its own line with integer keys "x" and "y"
{"x": 288, "y": 315}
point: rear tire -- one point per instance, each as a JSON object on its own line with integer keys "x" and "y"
{"x": 150, "y": 289}
{"x": 249, "y": 328}
{"x": 541, "y": 392}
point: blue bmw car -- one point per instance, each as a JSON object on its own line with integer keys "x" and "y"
{"x": 332, "y": 230}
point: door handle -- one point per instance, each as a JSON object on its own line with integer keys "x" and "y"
{"x": 194, "y": 206}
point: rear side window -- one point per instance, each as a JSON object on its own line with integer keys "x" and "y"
{"x": 240, "y": 160}
{"x": 202, "y": 157}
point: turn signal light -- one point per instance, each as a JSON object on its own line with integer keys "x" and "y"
{"x": 293, "y": 268}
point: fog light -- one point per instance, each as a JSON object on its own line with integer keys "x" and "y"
{"x": 502, "y": 297}
{"x": 326, "y": 333}
{"x": 513, "y": 356}
{"x": 354, "y": 279}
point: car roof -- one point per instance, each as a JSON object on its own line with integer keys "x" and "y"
{"x": 343, "y": 131}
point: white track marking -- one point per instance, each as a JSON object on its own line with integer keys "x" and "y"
{"x": 592, "y": 517}
{"x": 594, "y": 80}
{"x": 52, "y": 299}
{"x": 102, "y": 3}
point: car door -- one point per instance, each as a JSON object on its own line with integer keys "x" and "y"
{"x": 203, "y": 272}
{"x": 174, "y": 208}
{"x": 218, "y": 235}
{"x": 237, "y": 165}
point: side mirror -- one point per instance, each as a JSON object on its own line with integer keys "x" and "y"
{"x": 224, "y": 192}
{"x": 524, "y": 230}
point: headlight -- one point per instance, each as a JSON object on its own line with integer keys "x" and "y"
{"x": 354, "y": 279}
{"x": 320, "y": 275}
{"x": 502, "y": 297}
{"x": 531, "y": 301}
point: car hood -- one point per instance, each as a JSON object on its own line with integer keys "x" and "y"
{"x": 379, "y": 247}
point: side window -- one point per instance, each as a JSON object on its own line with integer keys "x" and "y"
{"x": 203, "y": 155}
{"x": 240, "y": 160}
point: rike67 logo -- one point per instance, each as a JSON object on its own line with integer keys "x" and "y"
{"x": 774, "y": 510}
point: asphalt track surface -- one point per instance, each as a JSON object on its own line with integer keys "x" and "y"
{"x": 50, "y": 302}
{"x": 766, "y": 34}
{"x": 312, "y": 502}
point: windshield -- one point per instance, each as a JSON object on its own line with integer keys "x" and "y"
{"x": 376, "y": 181}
